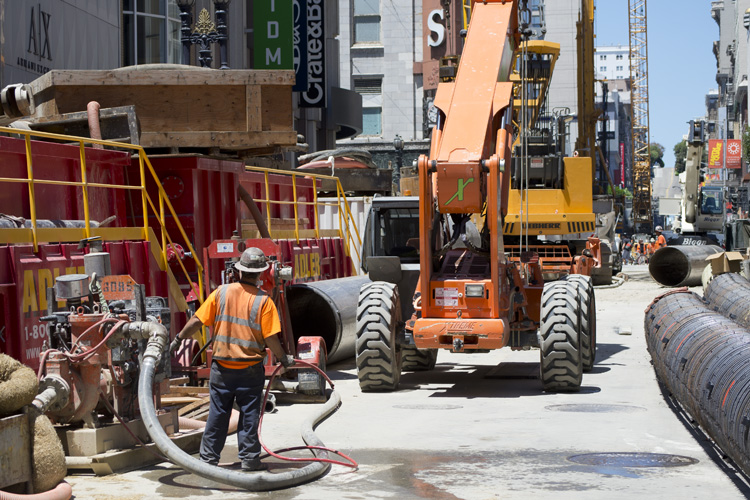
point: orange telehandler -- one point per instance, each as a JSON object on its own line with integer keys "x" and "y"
{"x": 471, "y": 295}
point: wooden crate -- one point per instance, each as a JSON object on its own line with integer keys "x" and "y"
{"x": 15, "y": 452}
{"x": 182, "y": 106}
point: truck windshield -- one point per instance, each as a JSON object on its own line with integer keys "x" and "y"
{"x": 397, "y": 233}
{"x": 711, "y": 201}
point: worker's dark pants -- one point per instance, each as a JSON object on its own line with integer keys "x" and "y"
{"x": 246, "y": 386}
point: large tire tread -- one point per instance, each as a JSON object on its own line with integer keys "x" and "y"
{"x": 560, "y": 357}
{"x": 415, "y": 360}
{"x": 587, "y": 303}
{"x": 378, "y": 356}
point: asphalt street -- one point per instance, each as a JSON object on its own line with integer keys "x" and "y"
{"x": 480, "y": 427}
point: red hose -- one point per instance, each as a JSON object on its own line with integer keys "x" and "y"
{"x": 351, "y": 463}
{"x": 62, "y": 491}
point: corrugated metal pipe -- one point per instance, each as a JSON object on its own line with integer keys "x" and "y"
{"x": 701, "y": 357}
{"x": 680, "y": 265}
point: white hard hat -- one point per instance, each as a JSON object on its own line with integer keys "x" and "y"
{"x": 253, "y": 260}
{"x": 659, "y": 228}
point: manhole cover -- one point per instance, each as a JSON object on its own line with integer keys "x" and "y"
{"x": 633, "y": 460}
{"x": 428, "y": 407}
{"x": 592, "y": 408}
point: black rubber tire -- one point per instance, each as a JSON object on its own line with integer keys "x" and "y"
{"x": 377, "y": 352}
{"x": 560, "y": 357}
{"x": 587, "y": 304}
{"x": 417, "y": 360}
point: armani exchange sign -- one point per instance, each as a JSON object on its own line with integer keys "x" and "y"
{"x": 38, "y": 44}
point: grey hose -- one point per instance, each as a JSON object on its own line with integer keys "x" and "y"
{"x": 263, "y": 481}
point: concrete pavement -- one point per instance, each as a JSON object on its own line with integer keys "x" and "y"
{"x": 477, "y": 427}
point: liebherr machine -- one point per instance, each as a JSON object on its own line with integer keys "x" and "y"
{"x": 472, "y": 295}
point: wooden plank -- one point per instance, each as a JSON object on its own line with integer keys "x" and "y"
{"x": 178, "y": 400}
{"x": 146, "y": 76}
{"x": 112, "y": 462}
{"x": 254, "y": 117}
{"x": 277, "y": 110}
{"x": 179, "y": 107}
{"x": 187, "y": 390}
{"x": 224, "y": 140}
{"x": 179, "y": 380}
{"x": 15, "y": 452}
{"x": 192, "y": 406}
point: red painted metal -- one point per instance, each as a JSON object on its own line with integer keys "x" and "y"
{"x": 203, "y": 192}
{"x": 61, "y": 162}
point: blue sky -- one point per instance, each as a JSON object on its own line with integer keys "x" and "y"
{"x": 681, "y": 63}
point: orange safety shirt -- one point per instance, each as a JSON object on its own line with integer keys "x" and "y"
{"x": 242, "y": 317}
{"x": 661, "y": 242}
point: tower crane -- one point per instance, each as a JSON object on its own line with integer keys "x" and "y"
{"x": 642, "y": 219}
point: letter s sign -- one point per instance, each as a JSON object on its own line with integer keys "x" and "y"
{"x": 435, "y": 28}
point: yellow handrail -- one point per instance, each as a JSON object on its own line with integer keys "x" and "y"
{"x": 345, "y": 216}
{"x": 164, "y": 205}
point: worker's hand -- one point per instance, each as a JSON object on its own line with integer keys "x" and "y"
{"x": 287, "y": 361}
{"x": 176, "y": 343}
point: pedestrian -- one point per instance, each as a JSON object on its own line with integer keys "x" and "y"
{"x": 640, "y": 252}
{"x": 661, "y": 241}
{"x": 245, "y": 321}
{"x": 626, "y": 252}
{"x": 650, "y": 249}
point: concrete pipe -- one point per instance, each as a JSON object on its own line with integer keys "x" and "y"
{"x": 701, "y": 357}
{"x": 327, "y": 309}
{"x": 680, "y": 265}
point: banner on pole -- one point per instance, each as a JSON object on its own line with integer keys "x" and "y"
{"x": 715, "y": 153}
{"x": 734, "y": 153}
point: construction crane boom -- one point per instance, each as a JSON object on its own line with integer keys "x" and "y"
{"x": 642, "y": 218}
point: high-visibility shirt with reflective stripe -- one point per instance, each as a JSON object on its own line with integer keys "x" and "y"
{"x": 661, "y": 242}
{"x": 242, "y": 316}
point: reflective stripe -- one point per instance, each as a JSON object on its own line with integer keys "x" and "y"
{"x": 222, "y": 299}
{"x": 237, "y": 321}
{"x": 240, "y": 342}
{"x": 255, "y": 310}
{"x": 238, "y": 332}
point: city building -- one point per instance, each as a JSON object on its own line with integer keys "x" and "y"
{"x": 612, "y": 62}
{"x": 92, "y": 34}
{"x": 727, "y": 109}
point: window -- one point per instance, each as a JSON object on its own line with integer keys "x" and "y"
{"x": 371, "y": 90}
{"x": 603, "y": 58}
{"x": 366, "y": 21}
{"x": 619, "y": 57}
{"x": 602, "y": 68}
{"x": 619, "y": 68}
{"x": 150, "y": 32}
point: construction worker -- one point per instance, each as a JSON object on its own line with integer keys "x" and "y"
{"x": 661, "y": 241}
{"x": 640, "y": 252}
{"x": 245, "y": 322}
{"x": 650, "y": 249}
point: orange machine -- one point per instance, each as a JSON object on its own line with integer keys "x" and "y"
{"x": 471, "y": 296}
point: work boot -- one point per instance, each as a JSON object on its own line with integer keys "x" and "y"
{"x": 254, "y": 465}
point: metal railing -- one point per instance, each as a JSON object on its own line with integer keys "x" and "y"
{"x": 145, "y": 165}
{"x": 347, "y": 227}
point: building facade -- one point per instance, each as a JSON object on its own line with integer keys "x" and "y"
{"x": 39, "y": 36}
{"x": 727, "y": 106}
{"x": 612, "y": 62}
